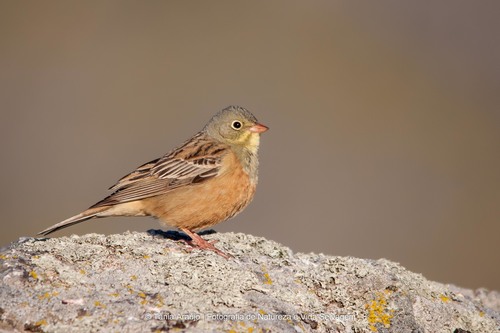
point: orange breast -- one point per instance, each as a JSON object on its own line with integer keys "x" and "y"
{"x": 203, "y": 205}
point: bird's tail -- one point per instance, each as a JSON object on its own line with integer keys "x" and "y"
{"x": 84, "y": 216}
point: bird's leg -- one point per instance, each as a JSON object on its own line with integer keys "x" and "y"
{"x": 200, "y": 243}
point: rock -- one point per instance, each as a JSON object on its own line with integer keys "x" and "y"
{"x": 152, "y": 282}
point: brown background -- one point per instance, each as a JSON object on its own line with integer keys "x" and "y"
{"x": 385, "y": 118}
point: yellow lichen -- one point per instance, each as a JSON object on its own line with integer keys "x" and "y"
{"x": 241, "y": 326}
{"x": 444, "y": 298}
{"x": 44, "y": 296}
{"x": 99, "y": 304}
{"x": 267, "y": 277}
{"x": 48, "y": 295}
{"x": 130, "y": 289}
{"x": 41, "y": 322}
{"x": 378, "y": 312}
{"x": 159, "y": 300}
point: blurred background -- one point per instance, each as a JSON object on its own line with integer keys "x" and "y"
{"x": 384, "y": 117}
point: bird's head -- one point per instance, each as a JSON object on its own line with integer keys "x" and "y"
{"x": 237, "y": 127}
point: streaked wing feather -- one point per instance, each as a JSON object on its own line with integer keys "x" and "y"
{"x": 182, "y": 169}
{"x": 194, "y": 158}
{"x": 140, "y": 190}
{"x": 196, "y": 161}
{"x": 132, "y": 177}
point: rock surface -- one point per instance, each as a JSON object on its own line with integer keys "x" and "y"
{"x": 152, "y": 282}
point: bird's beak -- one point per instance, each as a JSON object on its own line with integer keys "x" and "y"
{"x": 258, "y": 128}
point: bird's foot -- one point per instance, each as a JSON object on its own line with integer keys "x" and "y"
{"x": 199, "y": 243}
{"x": 206, "y": 245}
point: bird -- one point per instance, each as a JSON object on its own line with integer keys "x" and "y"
{"x": 210, "y": 178}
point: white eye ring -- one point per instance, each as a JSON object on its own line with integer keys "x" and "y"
{"x": 237, "y": 125}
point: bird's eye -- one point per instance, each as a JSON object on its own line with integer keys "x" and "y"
{"x": 236, "y": 125}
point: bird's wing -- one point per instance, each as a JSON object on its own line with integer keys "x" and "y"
{"x": 196, "y": 161}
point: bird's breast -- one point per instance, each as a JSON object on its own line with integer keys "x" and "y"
{"x": 205, "y": 204}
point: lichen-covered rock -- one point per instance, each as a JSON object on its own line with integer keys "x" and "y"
{"x": 140, "y": 282}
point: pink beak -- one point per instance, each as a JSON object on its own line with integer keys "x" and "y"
{"x": 258, "y": 128}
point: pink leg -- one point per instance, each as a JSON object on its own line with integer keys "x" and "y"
{"x": 200, "y": 243}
